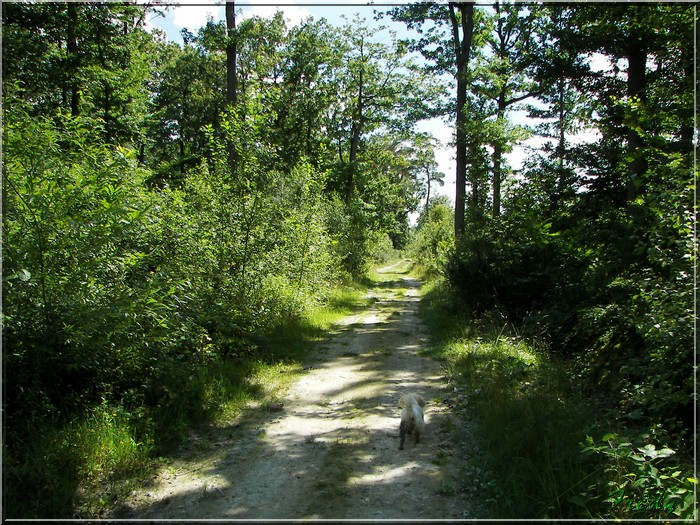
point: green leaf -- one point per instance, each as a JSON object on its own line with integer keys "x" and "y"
{"x": 649, "y": 451}
{"x": 665, "y": 452}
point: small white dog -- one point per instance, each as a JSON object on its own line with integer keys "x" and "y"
{"x": 411, "y": 417}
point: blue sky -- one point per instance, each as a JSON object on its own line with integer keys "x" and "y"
{"x": 194, "y": 14}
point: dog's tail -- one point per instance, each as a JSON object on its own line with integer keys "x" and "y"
{"x": 418, "y": 414}
{"x": 410, "y": 399}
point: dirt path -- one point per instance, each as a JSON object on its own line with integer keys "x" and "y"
{"x": 332, "y": 449}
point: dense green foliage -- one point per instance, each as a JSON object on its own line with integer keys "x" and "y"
{"x": 534, "y": 456}
{"x": 600, "y": 271}
{"x": 155, "y": 239}
{"x": 591, "y": 249}
{"x": 434, "y": 237}
{"x": 591, "y": 245}
{"x": 159, "y": 235}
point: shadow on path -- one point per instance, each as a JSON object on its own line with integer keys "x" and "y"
{"x": 332, "y": 451}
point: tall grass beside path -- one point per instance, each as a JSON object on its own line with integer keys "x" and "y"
{"x": 83, "y": 468}
{"x": 535, "y": 427}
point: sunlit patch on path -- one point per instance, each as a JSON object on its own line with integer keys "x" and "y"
{"x": 332, "y": 449}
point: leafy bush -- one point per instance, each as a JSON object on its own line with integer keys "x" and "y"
{"x": 383, "y": 249}
{"x": 351, "y": 238}
{"x": 434, "y": 239}
{"x": 638, "y": 480}
{"x": 613, "y": 292}
{"x": 81, "y": 289}
{"x": 115, "y": 290}
{"x": 511, "y": 264}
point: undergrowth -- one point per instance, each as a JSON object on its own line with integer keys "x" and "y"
{"x": 536, "y": 430}
{"x": 84, "y": 467}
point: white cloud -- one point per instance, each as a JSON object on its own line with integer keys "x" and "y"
{"x": 599, "y": 62}
{"x": 193, "y": 17}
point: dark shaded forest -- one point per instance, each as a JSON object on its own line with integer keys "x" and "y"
{"x": 168, "y": 210}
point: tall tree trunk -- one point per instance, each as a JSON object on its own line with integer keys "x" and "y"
{"x": 476, "y": 172}
{"x": 462, "y": 52}
{"x": 352, "y": 164}
{"x": 356, "y": 130}
{"x": 427, "y": 195}
{"x": 182, "y": 156}
{"x": 231, "y": 52}
{"x": 636, "y": 83}
{"x": 103, "y": 43}
{"x": 354, "y": 145}
{"x": 686, "y": 128}
{"x": 142, "y": 154}
{"x": 460, "y": 158}
{"x": 497, "y": 158}
{"x": 72, "y": 47}
{"x": 561, "y": 147}
{"x": 107, "y": 115}
{"x": 231, "y": 74}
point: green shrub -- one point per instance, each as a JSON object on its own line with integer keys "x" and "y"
{"x": 116, "y": 290}
{"x": 511, "y": 264}
{"x": 434, "y": 239}
{"x": 637, "y": 481}
{"x": 383, "y": 249}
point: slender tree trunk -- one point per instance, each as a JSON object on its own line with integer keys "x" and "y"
{"x": 636, "y": 83}
{"x": 560, "y": 183}
{"x": 354, "y": 148}
{"x": 497, "y": 156}
{"x": 356, "y": 130}
{"x": 427, "y": 196}
{"x": 231, "y": 52}
{"x": 561, "y": 148}
{"x": 107, "y": 116}
{"x": 231, "y": 74}
{"x": 72, "y": 47}
{"x": 476, "y": 172}
{"x": 462, "y": 52}
{"x": 103, "y": 43}
{"x": 461, "y": 159}
{"x": 686, "y": 128}
{"x": 497, "y": 159}
{"x": 182, "y": 156}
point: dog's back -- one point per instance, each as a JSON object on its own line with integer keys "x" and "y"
{"x": 411, "y": 417}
